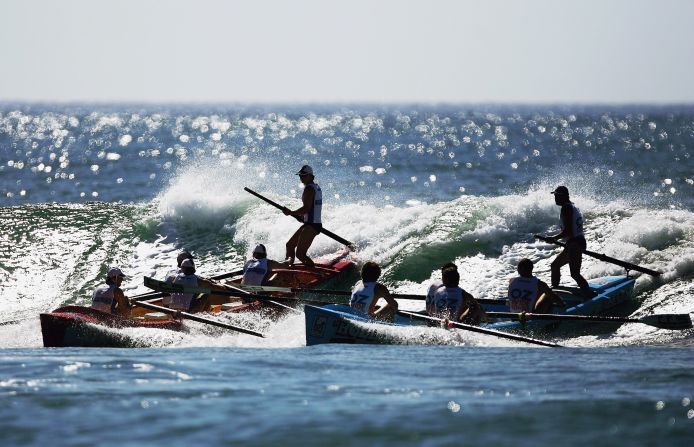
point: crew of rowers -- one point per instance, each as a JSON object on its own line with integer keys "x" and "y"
{"x": 445, "y": 298}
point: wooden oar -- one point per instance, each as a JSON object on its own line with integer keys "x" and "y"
{"x": 402, "y": 296}
{"x": 328, "y": 233}
{"x": 662, "y": 321}
{"x": 605, "y": 258}
{"x": 189, "y": 316}
{"x": 480, "y": 330}
{"x": 153, "y": 295}
{"x": 230, "y": 291}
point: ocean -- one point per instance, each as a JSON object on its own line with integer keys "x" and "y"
{"x": 87, "y": 186}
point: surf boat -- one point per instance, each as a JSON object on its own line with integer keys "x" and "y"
{"x": 325, "y": 273}
{"x": 337, "y": 323}
{"x": 79, "y": 326}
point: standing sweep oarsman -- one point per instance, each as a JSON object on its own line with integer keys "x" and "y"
{"x": 310, "y": 212}
{"x": 571, "y": 230}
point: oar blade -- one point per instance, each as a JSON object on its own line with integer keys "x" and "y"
{"x": 674, "y": 322}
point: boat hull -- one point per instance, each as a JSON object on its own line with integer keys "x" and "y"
{"x": 341, "y": 324}
{"x": 77, "y": 326}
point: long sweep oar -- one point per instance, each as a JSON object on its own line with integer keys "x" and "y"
{"x": 605, "y": 258}
{"x": 403, "y": 296}
{"x": 168, "y": 288}
{"x": 153, "y": 295}
{"x": 662, "y": 321}
{"x": 480, "y": 330}
{"x": 188, "y": 316}
{"x": 328, "y": 233}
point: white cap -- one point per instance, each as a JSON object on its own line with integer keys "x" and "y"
{"x": 305, "y": 170}
{"x": 114, "y": 272}
{"x": 260, "y": 249}
{"x": 187, "y": 263}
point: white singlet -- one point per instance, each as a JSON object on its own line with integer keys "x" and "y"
{"x": 166, "y": 300}
{"x": 102, "y": 298}
{"x": 181, "y": 301}
{"x": 576, "y": 221}
{"x": 363, "y": 296}
{"x": 429, "y": 303}
{"x": 448, "y": 300}
{"x": 254, "y": 272}
{"x": 522, "y": 294}
{"x": 314, "y": 216}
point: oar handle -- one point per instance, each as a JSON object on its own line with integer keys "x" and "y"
{"x": 604, "y": 258}
{"x": 328, "y": 233}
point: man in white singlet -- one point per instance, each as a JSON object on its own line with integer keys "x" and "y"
{"x": 109, "y": 297}
{"x": 571, "y": 221}
{"x": 435, "y": 285}
{"x": 368, "y": 291}
{"x": 258, "y": 269}
{"x": 526, "y": 293}
{"x": 171, "y": 274}
{"x": 453, "y": 303}
{"x": 188, "y": 302}
{"x": 310, "y": 212}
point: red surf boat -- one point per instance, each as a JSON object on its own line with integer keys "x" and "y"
{"x": 86, "y": 327}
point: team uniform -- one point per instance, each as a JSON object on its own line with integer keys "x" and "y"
{"x": 183, "y": 301}
{"x": 362, "y": 297}
{"x": 523, "y": 294}
{"x": 103, "y": 298}
{"x": 429, "y": 303}
{"x": 313, "y": 217}
{"x": 448, "y": 301}
{"x": 254, "y": 272}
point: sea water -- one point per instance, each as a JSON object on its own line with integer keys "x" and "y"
{"x": 84, "y": 187}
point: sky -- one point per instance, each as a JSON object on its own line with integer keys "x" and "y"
{"x": 356, "y": 51}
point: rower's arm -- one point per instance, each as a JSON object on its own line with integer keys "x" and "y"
{"x": 473, "y": 310}
{"x": 123, "y": 304}
{"x": 391, "y": 305}
{"x": 307, "y": 199}
{"x": 565, "y": 215}
{"x": 543, "y": 288}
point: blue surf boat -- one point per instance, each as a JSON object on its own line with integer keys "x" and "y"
{"x": 336, "y": 323}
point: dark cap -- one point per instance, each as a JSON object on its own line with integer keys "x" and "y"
{"x": 561, "y": 190}
{"x": 305, "y": 170}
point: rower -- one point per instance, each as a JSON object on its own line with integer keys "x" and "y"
{"x": 527, "y": 293}
{"x": 171, "y": 275}
{"x": 310, "y": 212}
{"x": 437, "y": 284}
{"x": 368, "y": 291}
{"x": 572, "y": 230}
{"x": 453, "y": 303}
{"x": 109, "y": 297}
{"x": 257, "y": 270}
{"x": 187, "y": 301}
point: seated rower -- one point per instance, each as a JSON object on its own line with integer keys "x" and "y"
{"x": 526, "y": 293}
{"x": 186, "y": 301}
{"x": 109, "y": 297}
{"x": 455, "y": 304}
{"x": 368, "y": 291}
{"x": 182, "y": 256}
{"x": 171, "y": 275}
{"x": 436, "y": 285}
{"x": 257, "y": 270}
